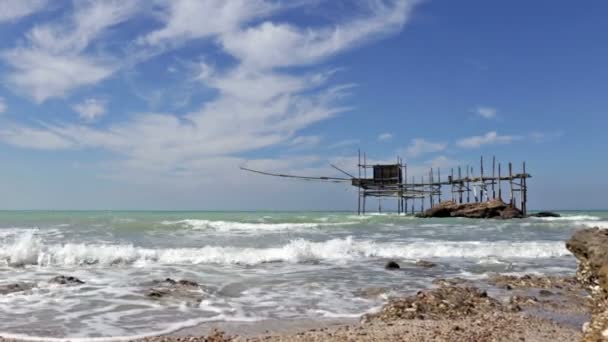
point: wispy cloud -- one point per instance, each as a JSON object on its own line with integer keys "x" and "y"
{"x": 16, "y": 9}
{"x": 486, "y": 112}
{"x": 385, "y": 137}
{"x": 490, "y": 138}
{"x": 3, "y": 106}
{"x": 420, "y": 146}
{"x": 344, "y": 143}
{"x": 259, "y": 103}
{"x": 90, "y": 109}
{"x": 52, "y": 61}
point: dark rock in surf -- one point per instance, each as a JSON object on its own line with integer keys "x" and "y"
{"x": 66, "y": 280}
{"x": 182, "y": 290}
{"x": 13, "y": 288}
{"x": 392, "y": 265}
{"x": 545, "y": 214}
{"x": 425, "y": 264}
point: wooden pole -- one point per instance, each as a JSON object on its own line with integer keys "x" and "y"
{"x": 439, "y": 186}
{"x": 524, "y": 194}
{"x": 468, "y": 185}
{"x": 493, "y": 177}
{"x": 359, "y": 187}
{"x": 460, "y": 185}
{"x": 511, "y": 198}
{"x": 499, "y": 184}
{"x": 482, "y": 188}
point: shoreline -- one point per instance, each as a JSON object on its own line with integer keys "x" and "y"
{"x": 530, "y": 307}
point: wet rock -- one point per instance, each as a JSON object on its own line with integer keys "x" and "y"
{"x": 66, "y": 280}
{"x": 13, "y": 288}
{"x": 534, "y": 281}
{"x": 182, "y": 290}
{"x": 450, "y": 281}
{"x": 482, "y": 210}
{"x": 425, "y": 263}
{"x": 510, "y": 212}
{"x": 392, "y": 265}
{"x": 545, "y": 293}
{"x": 545, "y": 214}
{"x": 590, "y": 247}
{"x": 447, "y": 302}
{"x": 371, "y": 292}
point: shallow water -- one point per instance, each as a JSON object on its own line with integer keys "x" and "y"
{"x": 253, "y": 266}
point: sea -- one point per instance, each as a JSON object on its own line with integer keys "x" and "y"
{"x": 252, "y": 266}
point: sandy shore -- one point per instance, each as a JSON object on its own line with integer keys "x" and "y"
{"x": 502, "y": 308}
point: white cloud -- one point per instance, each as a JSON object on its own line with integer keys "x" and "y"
{"x": 305, "y": 141}
{"x": 183, "y": 18}
{"x": 490, "y": 138}
{"x": 33, "y": 138}
{"x": 344, "y": 143}
{"x": 486, "y": 112}
{"x": 420, "y": 146}
{"x": 271, "y": 45}
{"x": 16, "y": 9}
{"x": 385, "y": 136}
{"x": 90, "y": 109}
{"x": 3, "y": 106}
{"x": 52, "y": 61}
{"x": 258, "y": 103}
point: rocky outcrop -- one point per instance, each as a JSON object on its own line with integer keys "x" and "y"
{"x": 590, "y": 247}
{"x": 446, "y": 302}
{"x": 484, "y": 210}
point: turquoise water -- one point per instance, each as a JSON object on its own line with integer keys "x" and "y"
{"x": 251, "y": 265}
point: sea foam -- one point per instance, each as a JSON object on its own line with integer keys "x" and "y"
{"x": 30, "y": 249}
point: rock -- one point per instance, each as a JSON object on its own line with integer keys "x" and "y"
{"x": 510, "y": 212}
{"x": 66, "y": 280}
{"x": 426, "y": 264}
{"x": 13, "y": 288}
{"x": 545, "y": 214}
{"x": 447, "y": 302}
{"x": 443, "y": 209}
{"x": 590, "y": 247}
{"x": 182, "y": 290}
{"x": 392, "y": 265}
{"x": 482, "y": 210}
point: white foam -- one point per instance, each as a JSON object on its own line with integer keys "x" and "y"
{"x": 226, "y": 226}
{"x": 170, "y": 329}
{"x": 569, "y": 218}
{"x": 592, "y": 224}
{"x": 29, "y": 249}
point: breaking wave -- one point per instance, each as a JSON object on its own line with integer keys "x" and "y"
{"x": 225, "y": 226}
{"x": 569, "y": 218}
{"x": 29, "y": 249}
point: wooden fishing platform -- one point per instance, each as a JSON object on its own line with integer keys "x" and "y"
{"x": 463, "y": 185}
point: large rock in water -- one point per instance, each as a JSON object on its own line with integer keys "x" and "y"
{"x": 590, "y": 247}
{"x": 483, "y": 210}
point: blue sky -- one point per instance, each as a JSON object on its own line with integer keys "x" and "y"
{"x": 156, "y": 104}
